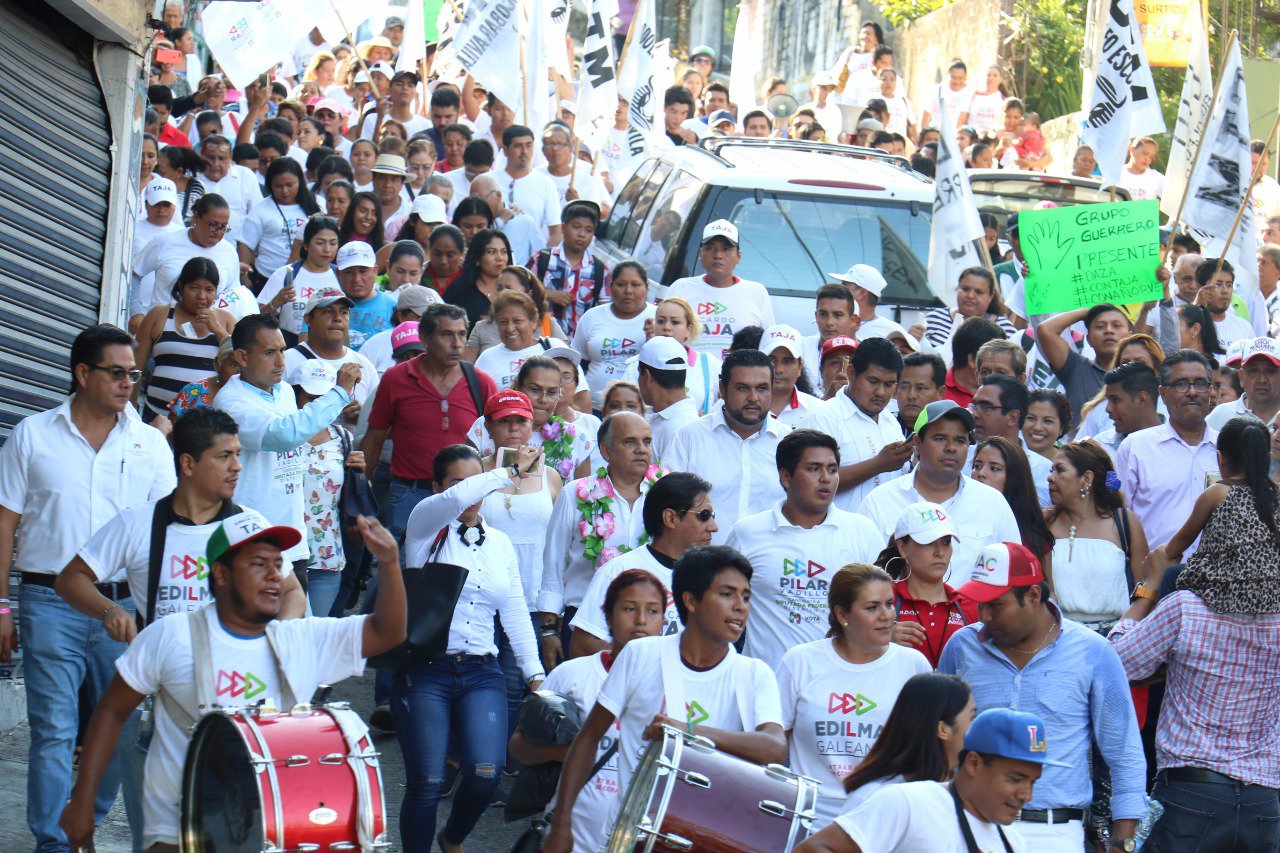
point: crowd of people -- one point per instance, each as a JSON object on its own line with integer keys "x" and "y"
{"x": 990, "y": 579}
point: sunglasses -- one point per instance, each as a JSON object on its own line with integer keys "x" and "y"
{"x": 703, "y": 515}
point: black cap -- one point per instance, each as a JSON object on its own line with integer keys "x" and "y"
{"x": 406, "y": 73}
{"x": 1011, "y": 224}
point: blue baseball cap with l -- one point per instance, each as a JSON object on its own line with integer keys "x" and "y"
{"x": 1010, "y": 734}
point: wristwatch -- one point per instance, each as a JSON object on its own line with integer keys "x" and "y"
{"x": 1128, "y": 845}
{"x": 1140, "y": 590}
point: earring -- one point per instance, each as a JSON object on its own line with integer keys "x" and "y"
{"x": 844, "y": 624}
{"x": 904, "y": 562}
{"x": 1084, "y": 492}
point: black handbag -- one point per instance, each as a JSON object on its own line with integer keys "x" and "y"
{"x": 357, "y": 495}
{"x": 432, "y": 594}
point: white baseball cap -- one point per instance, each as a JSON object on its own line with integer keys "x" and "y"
{"x": 429, "y": 208}
{"x": 316, "y": 377}
{"x": 662, "y": 353}
{"x": 160, "y": 190}
{"x": 864, "y": 276}
{"x": 924, "y": 522}
{"x": 1260, "y": 348}
{"x": 384, "y": 68}
{"x": 356, "y": 254}
{"x": 720, "y": 228}
{"x": 781, "y": 336}
{"x": 559, "y": 349}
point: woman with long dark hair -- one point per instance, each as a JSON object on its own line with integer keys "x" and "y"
{"x": 1004, "y": 467}
{"x": 266, "y": 237}
{"x": 1198, "y": 332}
{"x": 363, "y": 221}
{"x": 181, "y": 165}
{"x": 472, "y": 216}
{"x": 291, "y": 287}
{"x": 488, "y": 254}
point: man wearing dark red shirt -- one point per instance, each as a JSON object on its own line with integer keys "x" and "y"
{"x": 428, "y": 403}
{"x": 962, "y": 378}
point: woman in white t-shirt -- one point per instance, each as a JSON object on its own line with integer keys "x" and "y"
{"x": 837, "y": 692}
{"x": 291, "y": 287}
{"x": 516, "y": 317}
{"x": 633, "y": 608}
{"x": 266, "y": 237}
{"x": 609, "y": 335}
{"x": 921, "y": 740}
{"x": 675, "y": 318}
{"x": 986, "y": 109}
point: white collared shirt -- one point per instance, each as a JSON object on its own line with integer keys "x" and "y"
{"x": 799, "y": 411}
{"x": 860, "y": 437}
{"x": 1162, "y": 476}
{"x": 65, "y": 490}
{"x": 239, "y": 186}
{"x": 980, "y": 514}
{"x": 493, "y": 582}
{"x": 792, "y": 568}
{"x": 568, "y": 570}
{"x": 664, "y": 424}
{"x": 743, "y": 472}
{"x": 1238, "y": 408}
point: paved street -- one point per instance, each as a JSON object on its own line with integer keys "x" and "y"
{"x": 491, "y": 835}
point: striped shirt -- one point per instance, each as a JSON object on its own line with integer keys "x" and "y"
{"x": 1222, "y": 695}
{"x": 179, "y": 362}
{"x": 940, "y": 324}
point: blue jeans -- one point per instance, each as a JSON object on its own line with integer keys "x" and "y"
{"x": 322, "y": 589}
{"x": 404, "y": 498}
{"x": 62, "y": 648}
{"x": 1215, "y": 817}
{"x": 462, "y": 695}
{"x": 517, "y": 687}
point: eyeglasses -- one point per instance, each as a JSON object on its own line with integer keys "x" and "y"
{"x": 542, "y": 393}
{"x": 703, "y": 515}
{"x": 119, "y": 373}
{"x": 985, "y": 407}
{"x": 215, "y": 229}
{"x": 1182, "y": 385}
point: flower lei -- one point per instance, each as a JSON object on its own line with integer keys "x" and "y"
{"x": 595, "y": 503}
{"x": 557, "y": 443}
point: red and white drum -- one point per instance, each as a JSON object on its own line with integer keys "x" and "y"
{"x": 305, "y": 781}
{"x": 687, "y": 795}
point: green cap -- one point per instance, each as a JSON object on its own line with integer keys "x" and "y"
{"x": 940, "y": 409}
{"x": 702, "y": 50}
{"x": 245, "y": 527}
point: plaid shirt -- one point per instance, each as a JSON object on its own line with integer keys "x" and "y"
{"x": 561, "y": 275}
{"x": 1222, "y": 699}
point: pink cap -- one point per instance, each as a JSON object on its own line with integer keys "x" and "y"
{"x": 405, "y": 338}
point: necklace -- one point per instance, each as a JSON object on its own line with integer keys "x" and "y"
{"x": 506, "y": 498}
{"x": 1071, "y": 534}
{"x": 1044, "y": 641}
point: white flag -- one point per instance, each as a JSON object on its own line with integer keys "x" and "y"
{"x": 1124, "y": 103}
{"x": 556, "y": 31}
{"x": 445, "y": 63}
{"x": 598, "y": 88}
{"x": 1216, "y": 190}
{"x": 535, "y": 108}
{"x": 413, "y": 47}
{"x": 334, "y": 18}
{"x": 748, "y": 42}
{"x": 1193, "y": 109}
{"x": 487, "y": 45}
{"x": 635, "y": 79}
{"x": 248, "y": 39}
{"x": 956, "y": 225}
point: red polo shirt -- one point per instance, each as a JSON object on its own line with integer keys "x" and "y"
{"x": 939, "y": 621}
{"x": 170, "y": 135}
{"x": 952, "y": 390}
{"x": 410, "y": 406}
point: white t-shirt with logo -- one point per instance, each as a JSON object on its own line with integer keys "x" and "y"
{"x": 792, "y": 568}
{"x": 269, "y": 231}
{"x": 835, "y": 710}
{"x": 718, "y": 697}
{"x": 238, "y": 300}
{"x": 607, "y": 341}
{"x": 724, "y": 310}
{"x": 920, "y": 817}
{"x": 305, "y": 285}
{"x": 590, "y": 615}
{"x": 363, "y": 390}
{"x": 1148, "y": 184}
{"x": 957, "y": 102}
{"x": 313, "y": 651}
{"x": 166, "y": 255}
{"x": 986, "y": 112}
{"x": 504, "y": 364}
{"x": 580, "y": 679}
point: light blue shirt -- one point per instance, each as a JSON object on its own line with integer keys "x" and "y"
{"x": 1078, "y": 686}
{"x": 369, "y": 317}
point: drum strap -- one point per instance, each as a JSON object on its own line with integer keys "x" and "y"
{"x": 673, "y": 685}
{"x": 970, "y": 842}
{"x": 353, "y": 729}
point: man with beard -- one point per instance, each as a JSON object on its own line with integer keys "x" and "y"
{"x": 735, "y": 447}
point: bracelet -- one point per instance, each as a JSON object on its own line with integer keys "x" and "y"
{"x": 103, "y": 614}
{"x": 550, "y": 632}
{"x": 4, "y": 601}
{"x": 5, "y": 611}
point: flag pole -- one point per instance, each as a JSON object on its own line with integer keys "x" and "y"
{"x": 363, "y": 67}
{"x": 457, "y": 13}
{"x": 1195, "y": 161}
{"x": 524, "y": 75}
{"x": 1248, "y": 193}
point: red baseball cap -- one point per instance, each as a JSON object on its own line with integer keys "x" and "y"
{"x": 1261, "y": 348}
{"x": 506, "y": 403}
{"x": 840, "y": 343}
{"x": 1001, "y": 567}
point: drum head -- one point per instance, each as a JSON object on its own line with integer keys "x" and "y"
{"x": 636, "y": 802}
{"x": 221, "y": 804}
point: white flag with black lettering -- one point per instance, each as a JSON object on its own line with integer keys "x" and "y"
{"x": 1216, "y": 190}
{"x": 1193, "y": 110}
{"x": 955, "y": 227}
{"x": 635, "y": 79}
{"x": 1124, "y": 103}
{"x": 487, "y": 45}
{"x": 598, "y": 88}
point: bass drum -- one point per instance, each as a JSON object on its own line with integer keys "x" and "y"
{"x": 307, "y": 780}
{"x": 687, "y": 795}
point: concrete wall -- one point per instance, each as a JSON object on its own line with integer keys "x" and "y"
{"x": 969, "y": 30}
{"x": 1062, "y": 138}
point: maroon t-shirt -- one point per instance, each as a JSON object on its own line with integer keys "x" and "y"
{"x": 410, "y": 406}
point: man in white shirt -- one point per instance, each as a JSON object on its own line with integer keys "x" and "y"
{"x": 797, "y": 546}
{"x": 404, "y": 90}
{"x": 529, "y": 190}
{"x": 328, "y": 319}
{"x": 1260, "y": 376}
{"x": 178, "y": 659}
{"x": 981, "y": 514}
{"x": 1138, "y": 177}
{"x": 1216, "y": 288}
{"x": 735, "y": 447}
{"x": 867, "y": 285}
{"x": 1268, "y": 284}
{"x": 625, "y": 444}
{"x": 64, "y": 473}
{"x": 836, "y": 314}
{"x": 1131, "y": 392}
{"x": 236, "y": 184}
{"x": 872, "y": 450}
{"x": 662, "y": 365}
{"x": 678, "y": 515}
{"x": 564, "y": 169}
{"x": 788, "y": 403}
{"x": 822, "y": 90}
{"x": 1003, "y": 756}
{"x": 521, "y": 230}
{"x": 693, "y": 681}
{"x": 723, "y": 302}
{"x": 273, "y": 429}
{"x": 999, "y": 408}
{"x": 477, "y": 159}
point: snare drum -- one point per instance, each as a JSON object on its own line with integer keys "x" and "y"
{"x": 687, "y": 795}
{"x": 305, "y": 781}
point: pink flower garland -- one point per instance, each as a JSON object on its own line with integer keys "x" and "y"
{"x": 598, "y": 523}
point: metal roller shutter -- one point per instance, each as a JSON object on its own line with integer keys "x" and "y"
{"x": 54, "y": 182}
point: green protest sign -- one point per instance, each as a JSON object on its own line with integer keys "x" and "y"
{"x": 1090, "y": 253}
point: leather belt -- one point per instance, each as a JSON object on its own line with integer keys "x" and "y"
{"x": 1203, "y": 775}
{"x": 113, "y": 591}
{"x": 1050, "y": 816}
{"x": 413, "y": 484}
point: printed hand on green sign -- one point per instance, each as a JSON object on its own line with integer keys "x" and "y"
{"x": 1051, "y": 247}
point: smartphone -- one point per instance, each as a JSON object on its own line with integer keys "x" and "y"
{"x": 507, "y": 458}
{"x": 168, "y": 55}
